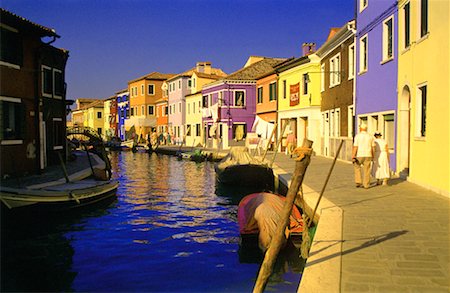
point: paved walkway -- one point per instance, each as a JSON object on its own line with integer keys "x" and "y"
{"x": 394, "y": 238}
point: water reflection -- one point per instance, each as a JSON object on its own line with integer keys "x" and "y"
{"x": 167, "y": 231}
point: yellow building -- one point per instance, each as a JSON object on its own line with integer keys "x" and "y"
{"x": 299, "y": 99}
{"x": 424, "y": 93}
{"x": 93, "y": 116}
{"x": 194, "y": 132}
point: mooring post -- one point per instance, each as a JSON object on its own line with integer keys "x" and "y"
{"x": 271, "y": 254}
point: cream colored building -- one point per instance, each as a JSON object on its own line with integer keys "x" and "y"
{"x": 424, "y": 93}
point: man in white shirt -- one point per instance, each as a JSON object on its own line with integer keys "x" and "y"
{"x": 362, "y": 155}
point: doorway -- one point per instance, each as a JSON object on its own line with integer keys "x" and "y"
{"x": 404, "y": 131}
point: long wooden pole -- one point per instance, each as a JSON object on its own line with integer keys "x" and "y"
{"x": 278, "y": 143}
{"x": 270, "y": 140}
{"x": 277, "y": 241}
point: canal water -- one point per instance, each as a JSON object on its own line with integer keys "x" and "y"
{"x": 168, "y": 230}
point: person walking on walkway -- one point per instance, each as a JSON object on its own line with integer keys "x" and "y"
{"x": 380, "y": 169}
{"x": 362, "y": 155}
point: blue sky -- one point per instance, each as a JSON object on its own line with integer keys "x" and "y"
{"x": 113, "y": 41}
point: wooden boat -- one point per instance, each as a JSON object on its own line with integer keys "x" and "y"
{"x": 58, "y": 197}
{"x": 86, "y": 184}
{"x": 195, "y": 155}
{"x": 258, "y": 215}
{"x": 239, "y": 168}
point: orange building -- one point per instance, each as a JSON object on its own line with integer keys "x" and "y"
{"x": 145, "y": 92}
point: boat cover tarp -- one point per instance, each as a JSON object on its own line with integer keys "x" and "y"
{"x": 237, "y": 156}
{"x": 261, "y": 212}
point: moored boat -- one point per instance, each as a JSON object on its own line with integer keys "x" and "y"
{"x": 239, "y": 168}
{"x": 258, "y": 215}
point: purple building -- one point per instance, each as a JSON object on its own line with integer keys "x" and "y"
{"x": 376, "y": 69}
{"x": 229, "y": 104}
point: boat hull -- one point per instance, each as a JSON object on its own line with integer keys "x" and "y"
{"x": 62, "y": 197}
{"x": 247, "y": 175}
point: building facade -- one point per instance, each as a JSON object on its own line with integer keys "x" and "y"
{"x": 424, "y": 93}
{"x": 123, "y": 112}
{"x": 337, "y": 67}
{"x": 144, "y": 92}
{"x": 376, "y": 69}
{"x": 32, "y": 97}
{"x": 299, "y": 99}
{"x": 229, "y": 104}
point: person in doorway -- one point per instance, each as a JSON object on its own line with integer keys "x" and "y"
{"x": 291, "y": 141}
{"x": 362, "y": 155}
{"x": 380, "y": 168}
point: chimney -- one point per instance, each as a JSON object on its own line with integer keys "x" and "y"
{"x": 308, "y": 48}
{"x": 204, "y": 67}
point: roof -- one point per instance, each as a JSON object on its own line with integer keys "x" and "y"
{"x": 291, "y": 63}
{"x": 336, "y": 37}
{"x": 256, "y": 69}
{"x": 188, "y": 73}
{"x": 153, "y": 76}
{"x": 10, "y": 18}
{"x": 91, "y": 103}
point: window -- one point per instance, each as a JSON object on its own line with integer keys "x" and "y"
{"x": 189, "y": 108}
{"x": 305, "y": 83}
{"x": 151, "y": 89}
{"x": 423, "y": 17}
{"x": 406, "y": 28}
{"x": 189, "y": 83}
{"x": 142, "y": 110}
{"x": 58, "y": 133}
{"x": 188, "y": 130}
{"x": 47, "y": 81}
{"x": 260, "y": 95}
{"x": 284, "y": 89}
{"x": 239, "y": 131}
{"x": 205, "y": 101}
{"x": 199, "y": 106}
{"x": 193, "y": 107}
{"x": 337, "y": 123}
{"x": 389, "y": 130}
{"x": 12, "y": 120}
{"x": 335, "y": 70}
{"x": 239, "y": 98}
{"x": 132, "y": 111}
{"x": 363, "y": 4}
{"x": 363, "y": 54}
{"x": 179, "y": 84}
{"x": 422, "y": 111}
{"x": 273, "y": 91}
{"x": 351, "y": 121}
{"x": 351, "y": 61}
{"x": 388, "y": 39}
{"x": 11, "y": 48}
{"x": 142, "y": 90}
{"x": 322, "y": 77}
{"x": 193, "y": 82}
{"x": 151, "y": 110}
{"x": 197, "y": 130}
{"x": 179, "y": 107}
{"x": 99, "y": 131}
{"x": 220, "y": 99}
{"x": 99, "y": 115}
{"x": 166, "y": 111}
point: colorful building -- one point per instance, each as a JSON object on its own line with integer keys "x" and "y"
{"x": 144, "y": 92}
{"x": 110, "y": 116}
{"x": 423, "y": 93}
{"x": 376, "y": 69}
{"x": 180, "y": 86}
{"x": 123, "y": 112}
{"x": 337, "y": 67}
{"x": 93, "y": 116}
{"x": 229, "y": 104}
{"x": 32, "y": 97}
{"x": 299, "y": 98}
{"x": 194, "y": 130}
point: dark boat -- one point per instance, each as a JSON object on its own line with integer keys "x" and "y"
{"x": 239, "y": 168}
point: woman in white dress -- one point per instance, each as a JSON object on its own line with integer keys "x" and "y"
{"x": 380, "y": 168}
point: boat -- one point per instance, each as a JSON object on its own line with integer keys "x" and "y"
{"x": 127, "y": 145}
{"x": 239, "y": 168}
{"x": 58, "y": 197}
{"x": 195, "y": 155}
{"x": 258, "y": 215}
{"x": 83, "y": 180}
